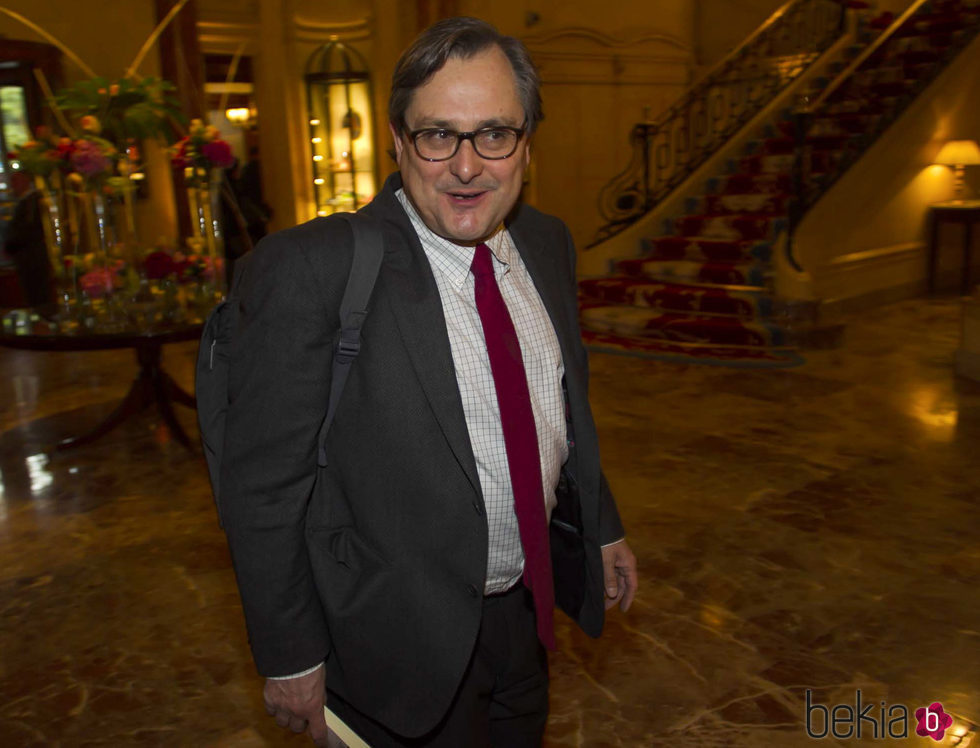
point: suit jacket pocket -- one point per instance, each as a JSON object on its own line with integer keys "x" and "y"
{"x": 345, "y": 567}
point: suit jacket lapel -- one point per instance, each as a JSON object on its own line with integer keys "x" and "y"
{"x": 540, "y": 260}
{"x": 417, "y": 308}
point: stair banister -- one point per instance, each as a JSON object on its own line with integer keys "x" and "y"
{"x": 865, "y": 54}
{"x": 688, "y": 133}
{"x": 807, "y": 190}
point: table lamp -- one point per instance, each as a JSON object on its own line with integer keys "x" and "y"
{"x": 959, "y": 154}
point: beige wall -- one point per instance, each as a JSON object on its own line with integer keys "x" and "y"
{"x": 721, "y": 25}
{"x": 105, "y": 34}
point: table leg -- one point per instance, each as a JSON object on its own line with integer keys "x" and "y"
{"x": 135, "y": 401}
{"x": 152, "y": 385}
{"x": 967, "y": 256}
{"x": 177, "y": 393}
{"x": 160, "y": 389}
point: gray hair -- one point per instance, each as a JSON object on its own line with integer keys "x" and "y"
{"x": 461, "y": 37}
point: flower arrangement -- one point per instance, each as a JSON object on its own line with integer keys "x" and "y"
{"x": 86, "y": 180}
{"x": 45, "y": 154}
{"x": 89, "y": 159}
{"x": 110, "y": 118}
{"x": 124, "y": 111}
{"x": 202, "y": 148}
{"x": 184, "y": 268}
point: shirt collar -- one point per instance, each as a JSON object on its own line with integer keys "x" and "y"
{"x": 454, "y": 260}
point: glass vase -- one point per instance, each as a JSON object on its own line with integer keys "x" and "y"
{"x": 203, "y": 199}
{"x": 57, "y": 239}
{"x": 92, "y": 224}
{"x": 124, "y": 219}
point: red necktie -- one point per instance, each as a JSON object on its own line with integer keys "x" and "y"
{"x": 520, "y": 440}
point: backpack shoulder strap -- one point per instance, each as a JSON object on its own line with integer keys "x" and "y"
{"x": 368, "y": 252}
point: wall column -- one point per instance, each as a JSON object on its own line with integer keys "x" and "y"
{"x": 395, "y": 22}
{"x": 282, "y": 136}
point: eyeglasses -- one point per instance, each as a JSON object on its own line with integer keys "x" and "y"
{"x": 492, "y": 143}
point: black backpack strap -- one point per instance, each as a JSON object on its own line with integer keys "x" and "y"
{"x": 368, "y": 252}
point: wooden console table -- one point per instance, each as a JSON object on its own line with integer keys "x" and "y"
{"x": 966, "y": 212}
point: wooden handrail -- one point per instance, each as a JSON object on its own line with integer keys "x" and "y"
{"x": 868, "y": 51}
{"x": 724, "y": 61}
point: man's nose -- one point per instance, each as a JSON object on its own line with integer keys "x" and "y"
{"x": 466, "y": 164}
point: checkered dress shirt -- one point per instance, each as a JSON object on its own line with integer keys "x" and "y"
{"x": 542, "y": 363}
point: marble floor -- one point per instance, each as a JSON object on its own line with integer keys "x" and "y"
{"x": 804, "y": 531}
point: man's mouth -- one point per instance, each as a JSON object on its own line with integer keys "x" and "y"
{"x": 465, "y": 197}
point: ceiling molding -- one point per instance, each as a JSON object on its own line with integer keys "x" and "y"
{"x": 306, "y": 30}
{"x": 221, "y": 34}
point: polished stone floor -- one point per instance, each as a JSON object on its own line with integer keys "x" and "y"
{"x": 812, "y": 529}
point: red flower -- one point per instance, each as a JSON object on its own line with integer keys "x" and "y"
{"x": 159, "y": 265}
{"x": 180, "y": 152}
{"x": 182, "y": 268}
{"x": 218, "y": 152}
{"x": 97, "y": 283}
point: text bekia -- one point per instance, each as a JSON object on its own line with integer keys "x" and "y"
{"x": 859, "y": 720}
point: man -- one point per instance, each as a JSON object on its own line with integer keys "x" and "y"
{"x": 406, "y": 575}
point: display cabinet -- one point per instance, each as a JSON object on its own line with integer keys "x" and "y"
{"x": 341, "y": 128}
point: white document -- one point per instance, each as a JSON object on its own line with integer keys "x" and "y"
{"x": 342, "y": 731}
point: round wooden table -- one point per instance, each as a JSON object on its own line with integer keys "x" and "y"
{"x": 25, "y": 329}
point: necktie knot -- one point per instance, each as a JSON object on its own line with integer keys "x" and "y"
{"x": 482, "y": 266}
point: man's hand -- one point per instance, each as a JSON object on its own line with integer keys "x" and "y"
{"x": 297, "y": 703}
{"x": 619, "y": 570}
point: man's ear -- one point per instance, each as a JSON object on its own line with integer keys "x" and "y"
{"x": 527, "y": 154}
{"x": 396, "y": 139}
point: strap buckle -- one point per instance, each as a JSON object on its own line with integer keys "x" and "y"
{"x": 347, "y": 349}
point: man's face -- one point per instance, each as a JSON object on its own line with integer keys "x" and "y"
{"x": 465, "y": 198}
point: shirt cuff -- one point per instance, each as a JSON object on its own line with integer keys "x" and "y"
{"x": 297, "y": 675}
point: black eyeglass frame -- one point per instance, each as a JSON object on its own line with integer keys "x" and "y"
{"x": 520, "y": 132}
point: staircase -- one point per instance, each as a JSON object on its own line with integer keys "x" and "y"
{"x": 702, "y": 291}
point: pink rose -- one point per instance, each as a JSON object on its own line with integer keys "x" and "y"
{"x": 97, "y": 283}
{"x": 89, "y": 159}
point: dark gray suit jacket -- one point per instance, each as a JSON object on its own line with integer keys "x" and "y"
{"x": 376, "y": 563}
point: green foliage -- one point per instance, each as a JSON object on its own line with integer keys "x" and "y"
{"x": 126, "y": 110}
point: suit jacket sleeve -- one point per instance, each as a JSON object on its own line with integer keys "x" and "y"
{"x": 278, "y": 390}
{"x": 610, "y": 524}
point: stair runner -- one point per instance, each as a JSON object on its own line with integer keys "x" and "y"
{"x": 701, "y": 292}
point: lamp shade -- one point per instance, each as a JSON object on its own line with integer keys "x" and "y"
{"x": 959, "y": 153}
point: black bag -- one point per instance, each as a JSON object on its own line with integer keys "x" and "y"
{"x": 211, "y": 380}
{"x": 568, "y": 564}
